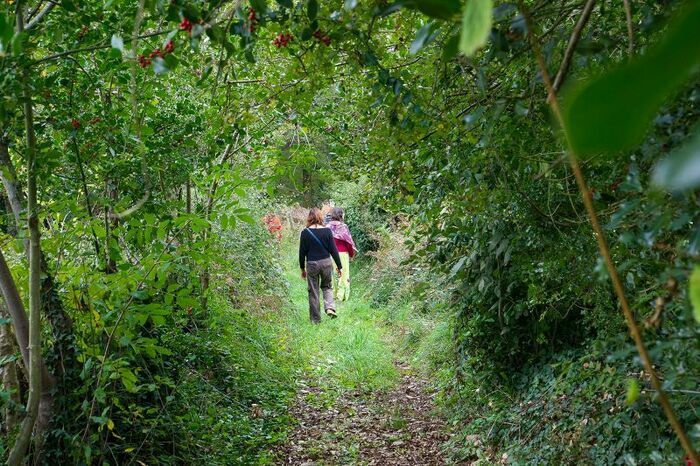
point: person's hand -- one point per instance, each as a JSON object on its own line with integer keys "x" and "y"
{"x": 340, "y": 272}
{"x": 303, "y": 274}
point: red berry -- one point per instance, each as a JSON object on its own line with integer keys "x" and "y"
{"x": 169, "y": 47}
{"x": 143, "y": 61}
{"x": 185, "y": 25}
{"x": 75, "y": 123}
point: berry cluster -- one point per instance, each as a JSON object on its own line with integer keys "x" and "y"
{"x": 322, "y": 37}
{"x": 283, "y": 39}
{"x": 186, "y": 25}
{"x": 145, "y": 61}
{"x": 252, "y": 20}
{"x": 273, "y": 225}
{"x": 75, "y": 123}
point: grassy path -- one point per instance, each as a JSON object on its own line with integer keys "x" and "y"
{"x": 357, "y": 403}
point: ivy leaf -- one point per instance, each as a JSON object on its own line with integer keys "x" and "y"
{"x": 611, "y": 112}
{"x": 681, "y": 169}
{"x": 476, "y": 25}
{"x": 694, "y": 291}
{"x": 117, "y": 42}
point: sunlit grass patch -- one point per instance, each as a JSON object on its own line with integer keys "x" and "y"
{"x": 350, "y": 352}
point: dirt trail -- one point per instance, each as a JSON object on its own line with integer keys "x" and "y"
{"x": 396, "y": 427}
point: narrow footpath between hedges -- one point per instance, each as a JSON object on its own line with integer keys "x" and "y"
{"x": 357, "y": 403}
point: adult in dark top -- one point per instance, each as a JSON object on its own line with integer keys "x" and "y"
{"x": 316, "y": 247}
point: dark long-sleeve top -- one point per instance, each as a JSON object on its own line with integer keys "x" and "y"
{"x": 311, "y": 250}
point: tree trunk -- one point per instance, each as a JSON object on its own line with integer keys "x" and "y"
{"x": 9, "y": 371}
{"x": 52, "y": 307}
{"x": 9, "y": 180}
{"x": 19, "y": 449}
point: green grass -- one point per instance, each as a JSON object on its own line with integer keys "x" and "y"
{"x": 350, "y": 352}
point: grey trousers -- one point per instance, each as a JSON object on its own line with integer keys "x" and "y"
{"x": 320, "y": 272}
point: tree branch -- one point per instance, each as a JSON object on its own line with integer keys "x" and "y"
{"x": 35, "y": 20}
{"x": 573, "y": 42}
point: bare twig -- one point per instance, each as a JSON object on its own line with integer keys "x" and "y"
{"x": 630, "y": 30}
{"x": 573, "y": 42}
{"x": 133, "y": 85}
{"x": 604, "y": 249}
{"x": 90, "y": 48}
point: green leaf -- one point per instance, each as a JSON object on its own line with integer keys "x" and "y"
{"x": 458, "y": 266}
{"x": 18, "y": 44}
{"x": 306, "y": 34}
{"x": 451, "y": 48}
{"x": 247, "y": 218}
{"x": 6, "y": 31}
{"x": 425, "y": 35}
{"x": 681, "y": 169}
{"x": 260, "y": 6}
{"x": 117, "y": 43}
{"x": 632, "y": 391}
{"x": 159, "y": 66}
{"x": 171, "y": 61}
{"x": 128, "y": 379}
{"x": 350, "y": 4}
{"x": 286, "y": 3}
{"x": 476, "y": 25}
{"x": 694, "y": 291}
{"x": 440, "y": 9}
{"x": 100, "y": 394}
{"x": 611, "y": 112}
{"x": 312, "y": 9}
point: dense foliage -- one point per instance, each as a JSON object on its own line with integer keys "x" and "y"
{"x": 165, "y": 131}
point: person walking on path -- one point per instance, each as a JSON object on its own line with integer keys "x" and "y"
{"x": 316, "y": 248}
{"x": 346, "y": 250}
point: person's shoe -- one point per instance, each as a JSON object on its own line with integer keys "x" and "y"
{"x": 331, "y": 313}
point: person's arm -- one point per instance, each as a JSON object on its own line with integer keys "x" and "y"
{"x": 303, "y": 251}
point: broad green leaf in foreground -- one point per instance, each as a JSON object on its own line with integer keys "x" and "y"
{"x": 440, "y": 9}
{"x": 694, "y": 292}
{"x": 476, "y": 25}
{"x": 611, "y": 112}
{"x": 681, "y": 169}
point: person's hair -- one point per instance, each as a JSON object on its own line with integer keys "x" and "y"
{"x": 315, "y": 217}
{"x": 337, "y": 214}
